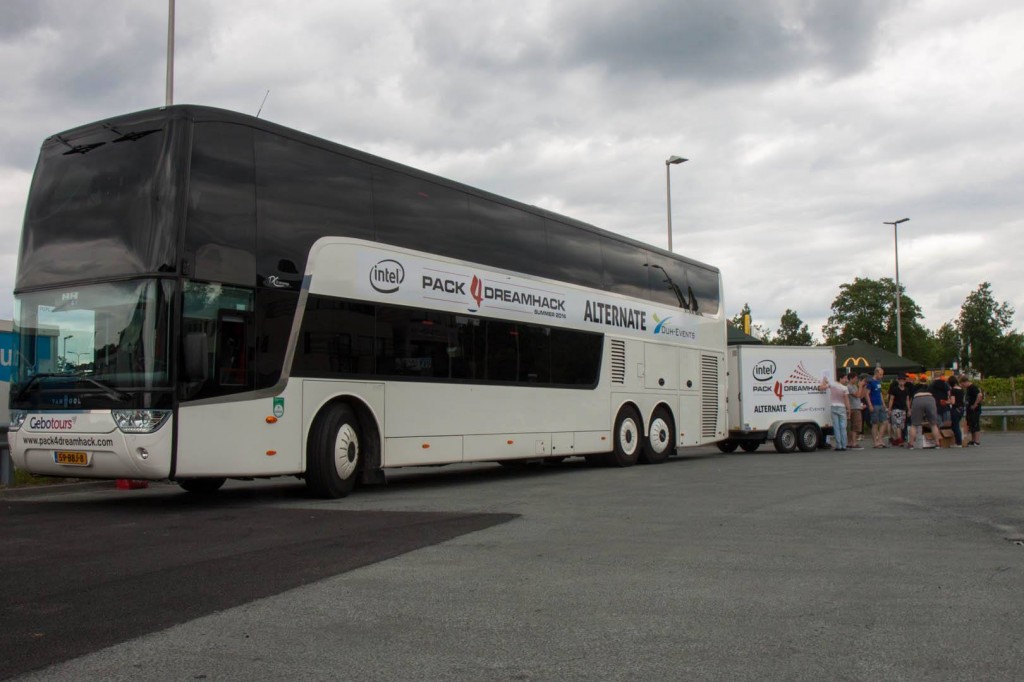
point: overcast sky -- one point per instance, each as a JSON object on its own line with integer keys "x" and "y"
{"x": 808, "y": 123}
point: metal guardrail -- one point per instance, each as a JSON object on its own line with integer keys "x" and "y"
{"x": 1004, "y": 411}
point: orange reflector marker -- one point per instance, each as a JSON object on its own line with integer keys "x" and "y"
{"x": 271, "y": 453}
{"x": 510, "y": 442}
{"x": 425, "y": 446}
{"x": 271, "y": 419}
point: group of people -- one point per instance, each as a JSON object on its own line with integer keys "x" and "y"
{"x": 856, "y": 399}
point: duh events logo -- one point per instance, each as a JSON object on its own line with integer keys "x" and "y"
{"x": 669, "y": 328}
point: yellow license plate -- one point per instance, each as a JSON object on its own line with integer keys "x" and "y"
{"x": 77, "y": 459}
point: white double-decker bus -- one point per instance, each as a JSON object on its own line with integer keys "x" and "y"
{"x": 203, "y": 295}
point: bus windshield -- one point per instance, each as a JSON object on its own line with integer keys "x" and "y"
{"x": 94, "y": 346}
{"x": 99, "y": 207}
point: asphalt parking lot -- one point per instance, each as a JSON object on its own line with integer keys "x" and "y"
{"x": 878, "y": 564}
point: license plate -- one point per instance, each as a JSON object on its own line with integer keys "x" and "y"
{"x": 70, "y": 458}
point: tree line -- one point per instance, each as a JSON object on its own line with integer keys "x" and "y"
{"x": 981, "y": 338}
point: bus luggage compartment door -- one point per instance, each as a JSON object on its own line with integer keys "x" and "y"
{"x": 661, "y": 366}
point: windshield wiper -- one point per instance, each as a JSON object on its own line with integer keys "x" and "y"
{"x": 34, "y": 379}
{"x": 78, "y": 148}
{"x": 132, "y": 136}
{"x": 108, "y": 390}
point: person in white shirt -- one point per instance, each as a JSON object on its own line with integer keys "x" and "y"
{"x": 839, "y": 397}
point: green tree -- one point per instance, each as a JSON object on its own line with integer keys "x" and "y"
{"x": 865, "y": 310}
{"x": 792, "y": 331}
{"x": 947, "y": 346}
{"x": 989, "y": 345}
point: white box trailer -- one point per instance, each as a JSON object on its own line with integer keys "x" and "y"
{"x": 774, "y": 395}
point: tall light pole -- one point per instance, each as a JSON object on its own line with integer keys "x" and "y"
{"x": 169, "y": 92}
{"x": 672, "y": 160}
{"x": 899, "y": 319}
{"x": 69, "y": 336}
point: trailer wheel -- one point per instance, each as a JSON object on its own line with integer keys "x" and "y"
{"x": 333, "y": 453}
{"x": 661, "y": 438}
{"x": 808, "y": 438}
{"x": 785, "y": 439}
{"x": 727, "y": 446}
{"x": 628, "y": 439}
{"x": 750, "y": 445}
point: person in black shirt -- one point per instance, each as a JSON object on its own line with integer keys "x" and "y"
{"x": 940, "y": 389}
{"x": 899, "y": 409}
{"x": 973, "y": 395}
{"x": 956, "y": 412}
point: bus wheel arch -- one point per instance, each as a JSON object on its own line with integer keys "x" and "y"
{"x": 660, "y": 442}
{"x": 342, "y": 448}
{"x": 627, "y": 437}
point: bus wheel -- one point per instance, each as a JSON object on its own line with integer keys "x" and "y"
{"x": 333, "y": 454}
{"x": 785, "y": 439}
{"x": 727, "y": 445}
{"x": 808, "y": 438}
{"x": 749, "y": 445}
{"x": 661, "y": 439}
{"x": 628, "y": 439}
{"x": 201, "y": 486}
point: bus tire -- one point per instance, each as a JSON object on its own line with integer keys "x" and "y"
{"x": 661, "y": 438}
{"x": 749, "y": 445}
{"x": 808, "y": 438}
{"x": 201, "y": 486}
{"x": 785, "y": 439}
{"x": 333, "y": 453}
{"x": 628, "y": 437}
{"x": 727, "y": 445}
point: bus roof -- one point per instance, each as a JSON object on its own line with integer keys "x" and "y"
{"x": 198, "y": 113}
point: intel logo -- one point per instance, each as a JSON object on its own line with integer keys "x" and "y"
{"x": 386, "y": 276}
{"x": 764, "y": 370}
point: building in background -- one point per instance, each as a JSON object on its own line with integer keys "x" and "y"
{"x": 6, "y": 360}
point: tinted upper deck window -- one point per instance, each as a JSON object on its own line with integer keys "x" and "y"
{"x": 304, "y": 193}
{"x": 101, "y": 205}
{"x": 625, "y": 269}
{"x": 221, "y": 231}
{"x": 574, "y": 255}
{"x": 419, "y": 214}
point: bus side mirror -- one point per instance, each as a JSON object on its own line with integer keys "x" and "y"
{"x": 197, "y": 352}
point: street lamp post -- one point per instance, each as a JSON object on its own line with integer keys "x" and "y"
{"x": 69, "y": 336}
{"x": 169, "y": 85}
{"x": 672, "y": 160}
{"x": 899, "y": 320}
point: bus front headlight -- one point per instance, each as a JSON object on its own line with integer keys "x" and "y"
{"x": 140, "y": 421}
{"x": 17, "y": 419}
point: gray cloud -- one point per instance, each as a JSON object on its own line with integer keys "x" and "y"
{"x": 718, "y": 43}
